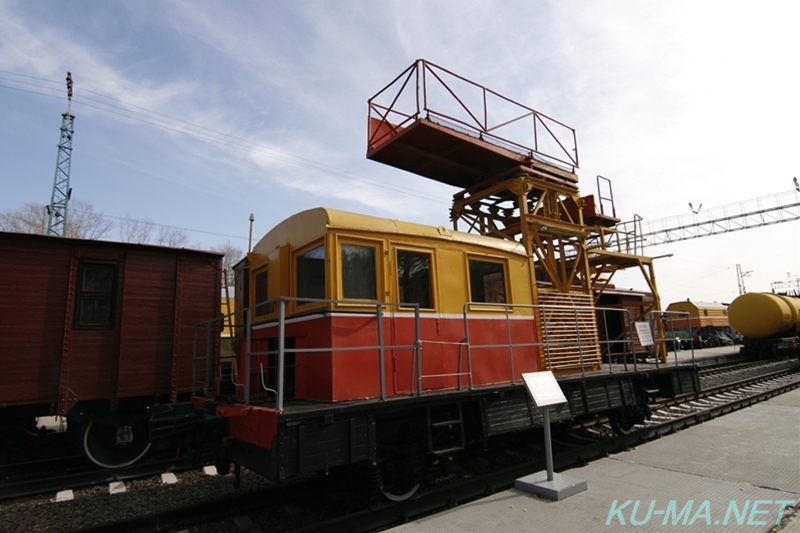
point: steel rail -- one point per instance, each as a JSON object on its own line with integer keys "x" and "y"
{"x": 90, "y": 475}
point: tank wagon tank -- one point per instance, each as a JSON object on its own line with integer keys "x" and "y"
{"x": 97, "y": 331}
{"x": 769, "y": 323}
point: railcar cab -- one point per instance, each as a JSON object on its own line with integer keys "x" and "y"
{"x": 364, "y": 297}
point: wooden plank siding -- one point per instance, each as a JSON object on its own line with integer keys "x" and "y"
{"x": 48, "y": 362}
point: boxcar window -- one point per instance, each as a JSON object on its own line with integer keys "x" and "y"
{"x": 95, "y": 295}
{"x": 358, "y": 272}
{"x": 487, "y": 282}
{"x": 311, "y": 274}
{"x": 414, "y": 278}
{"x": 262, "y": 294}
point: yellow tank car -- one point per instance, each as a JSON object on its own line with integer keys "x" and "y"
{"x": 760, "y": 315}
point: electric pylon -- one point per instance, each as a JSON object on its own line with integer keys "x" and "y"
{"x": 59, "y": 200}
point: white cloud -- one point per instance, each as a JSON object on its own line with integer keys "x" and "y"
{"x": 674, "y": 102}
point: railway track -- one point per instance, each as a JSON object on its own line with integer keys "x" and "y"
{"x": 74, "y": 472}
{"x": 329, "y": 504}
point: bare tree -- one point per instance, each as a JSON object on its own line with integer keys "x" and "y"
{"x": 233, "y": 254}
{"x": 84, "y": 222}
{"x": 135, "y": 230}
{"x": 172, "y": 236}
{"x": 30, "y": 218}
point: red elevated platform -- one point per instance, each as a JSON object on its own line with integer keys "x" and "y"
{"x": 439, "y": 125}
{"x": 447, "y": 155}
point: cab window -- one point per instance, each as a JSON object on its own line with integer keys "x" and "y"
{"x": 487, "y": 281}
{"x": 414, "y": 278}
{"x": 311, "y": 274}
{"x": 358, "y": 272}
{"x": 262, "y": 295}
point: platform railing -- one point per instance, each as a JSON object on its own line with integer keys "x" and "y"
{"x": 663, "y": 321}
{"x": 250, "y": 355}
{"x": 546, "y": 345}
{"x": 624, "y": 238}
{"x": 549, "y": 338}
{"x": 426, "y": 90}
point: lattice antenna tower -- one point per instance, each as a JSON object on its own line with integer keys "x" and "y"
{"x": 59, "y": 200}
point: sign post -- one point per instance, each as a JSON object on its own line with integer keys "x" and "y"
{"x": 545, "y": 391}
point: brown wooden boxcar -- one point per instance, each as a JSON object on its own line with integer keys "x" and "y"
{"x": 98, "y": 330}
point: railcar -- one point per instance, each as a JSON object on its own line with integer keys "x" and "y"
{"x": 769, "y": 323}
{"x": 386, "y": 344}
{"x": 704, "y": 324}
{"x": 97, "y": 332}
{"x": 626, "y": 307}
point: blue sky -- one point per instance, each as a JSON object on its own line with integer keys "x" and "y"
{"x": 196, "y": 114}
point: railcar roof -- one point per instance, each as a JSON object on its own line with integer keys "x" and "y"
{"x": 307, "y": 226}
{"x": 698, "y": 305}
{"x": 55, "y": 239}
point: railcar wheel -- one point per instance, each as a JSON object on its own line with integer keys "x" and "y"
{"x": 401, "y": 478}
{"x": 398, "y": 497}
{"x": 114, "y": 442}
{"x": 622, "y": 420}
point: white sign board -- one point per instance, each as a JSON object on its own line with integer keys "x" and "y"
{"x": 644, "y": 334}
{"x": 543, "y": 388}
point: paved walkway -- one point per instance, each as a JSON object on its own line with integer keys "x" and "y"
{"x": 734, "y": 473}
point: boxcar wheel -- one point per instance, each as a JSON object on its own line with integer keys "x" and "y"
{"x": 622, "y": 420}
{"x": 114, "y": 442}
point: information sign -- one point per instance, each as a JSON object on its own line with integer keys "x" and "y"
{"x": 644, "y": 334}
{"x": 543, "y": 388}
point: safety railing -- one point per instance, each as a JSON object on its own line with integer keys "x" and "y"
{"x": 662, "y": 323}
{"x": 259, "y": 357}
{"x": 548, "y": 331}
{"x": 624, "y": 238}
{"x": 429, "y": 91}
{"x": 558, "y": 335}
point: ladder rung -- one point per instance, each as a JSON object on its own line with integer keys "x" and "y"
{"x": 446, "y": 423}
{"x": 448, "y": 450}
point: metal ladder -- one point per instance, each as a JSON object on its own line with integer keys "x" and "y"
{"x": 445, "y": 433}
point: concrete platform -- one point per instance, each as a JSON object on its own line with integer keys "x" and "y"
{"x": 733, "y": 473}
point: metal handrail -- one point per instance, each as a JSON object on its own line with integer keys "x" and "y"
{"x": 281, "y": 351}
{"x": 475, "y": 119}
{"x": 668, "y": 318}
{"x": 546, "y": 344}
{"x": 627, "y": 343}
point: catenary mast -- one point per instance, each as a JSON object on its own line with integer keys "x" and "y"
{"x": 59, "y": 200}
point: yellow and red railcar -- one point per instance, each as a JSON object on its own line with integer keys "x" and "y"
{"x": 367, "y": 341}
{"x": 350, "y": 263}
{"x": 372, "y": 341}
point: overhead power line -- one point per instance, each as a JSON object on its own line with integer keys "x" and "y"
{"x": 202, "y": 133}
